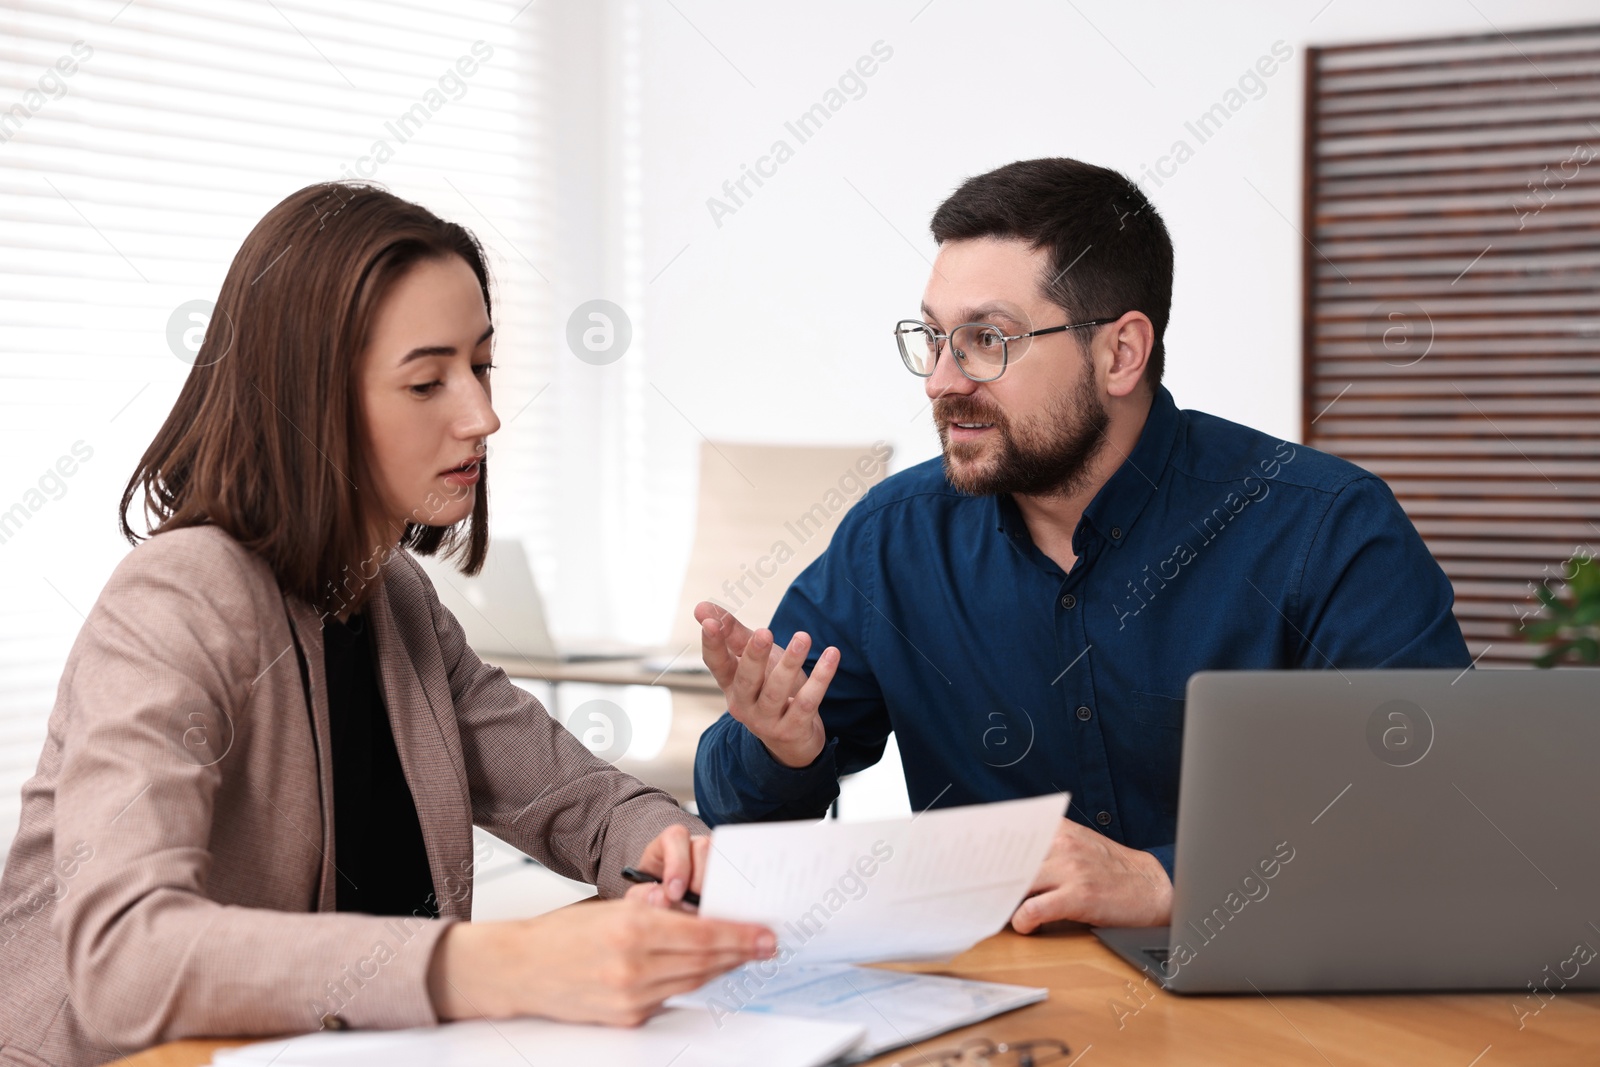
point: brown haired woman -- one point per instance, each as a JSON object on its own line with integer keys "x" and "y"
{"x": 268, "y": 718}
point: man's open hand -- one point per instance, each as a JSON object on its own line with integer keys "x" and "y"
{"x": 766, "y": 687}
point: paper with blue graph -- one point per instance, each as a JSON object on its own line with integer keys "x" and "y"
{"x": 919, "y": 888}
{"x": 893, "y": 1007}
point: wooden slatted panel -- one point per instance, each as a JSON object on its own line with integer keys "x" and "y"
{"x": 1452, "y": 327}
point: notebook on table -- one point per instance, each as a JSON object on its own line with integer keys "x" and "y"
{"x": 894, "y": 1007}
{"x": 679, "y": 1037}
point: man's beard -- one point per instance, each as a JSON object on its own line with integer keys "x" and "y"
{"x": 1050, "y": 456}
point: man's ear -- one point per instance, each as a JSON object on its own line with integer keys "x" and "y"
{"x": 1126, "y": 344}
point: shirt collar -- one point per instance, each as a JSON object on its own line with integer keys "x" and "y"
{"x": 1120, "y": 502}
{"x": 1122, "y": 499}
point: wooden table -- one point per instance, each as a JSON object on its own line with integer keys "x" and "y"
{"x": 1101, "y": 1008}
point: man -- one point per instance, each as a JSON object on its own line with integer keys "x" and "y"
{"x": 1026, "y": 614}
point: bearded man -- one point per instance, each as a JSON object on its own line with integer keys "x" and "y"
{"x": 1025, "y": 612}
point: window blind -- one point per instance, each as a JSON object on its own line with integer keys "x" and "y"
{"x": 1452, "y": 321}
{"x": 139, "y": 142}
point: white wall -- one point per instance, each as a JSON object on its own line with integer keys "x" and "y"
{"x": 770, "y": 327}
{"x": 775, "y": 325}
{"x": 126, "y": 186}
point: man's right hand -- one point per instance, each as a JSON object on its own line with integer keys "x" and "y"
{"x": 766, "y": 687}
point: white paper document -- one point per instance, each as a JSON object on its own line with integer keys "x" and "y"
{"x": 925, "y": 887}
{"x": 681, "y": 1037}
{"x": 895, "y": 1008}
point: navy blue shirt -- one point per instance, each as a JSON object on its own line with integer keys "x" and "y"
{"x": 1213, "y": 546}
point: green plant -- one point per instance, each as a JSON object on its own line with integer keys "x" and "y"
{"x": 1570, "y": 628}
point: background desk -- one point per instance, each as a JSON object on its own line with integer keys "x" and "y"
{"x": 607, "y": 672}
{"x": 1086, "y": 981}
{"x": 697, "y": 702}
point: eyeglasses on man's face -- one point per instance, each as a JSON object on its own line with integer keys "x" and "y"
{"x": 982, "y": 350}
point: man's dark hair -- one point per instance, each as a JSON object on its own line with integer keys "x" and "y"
{"x": 1110, "y": 253}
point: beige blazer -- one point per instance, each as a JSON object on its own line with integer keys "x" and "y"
{"x": 176, "y": 843}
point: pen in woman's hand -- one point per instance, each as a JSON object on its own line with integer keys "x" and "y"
{"x": 638, "y": 877}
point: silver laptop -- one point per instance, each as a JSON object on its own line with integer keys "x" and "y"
{"x": 502, "y": 613}
{"x": 1384, "y": 830}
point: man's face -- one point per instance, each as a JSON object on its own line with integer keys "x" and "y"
{"x": 1035, "y": 429}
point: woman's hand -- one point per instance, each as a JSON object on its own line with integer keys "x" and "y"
{"x": 612, "y": 962}
{"x": 678, "y": 860}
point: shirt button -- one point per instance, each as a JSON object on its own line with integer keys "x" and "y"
{"x": 1104, "y": 818}
{"x": 1116, "y": 533}
{"x": 1069, "y": 601}
{"x": 1083, "y": 714}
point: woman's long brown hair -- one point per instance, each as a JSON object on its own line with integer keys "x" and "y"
{"x": 265, "y": 440}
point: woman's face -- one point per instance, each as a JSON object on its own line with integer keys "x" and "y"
{"x": 424, "y": 388}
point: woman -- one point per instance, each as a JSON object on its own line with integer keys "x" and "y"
{"x": 268, "y": 718}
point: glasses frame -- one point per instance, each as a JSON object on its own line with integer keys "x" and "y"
{"x": 1028, "y": 1052}
{"x": 939, "y": 340}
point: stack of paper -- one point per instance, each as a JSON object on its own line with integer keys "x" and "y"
{"x": 927, "y": 887}
{"x": 895, "y": 1008}
{"x": 681, "y": 1037}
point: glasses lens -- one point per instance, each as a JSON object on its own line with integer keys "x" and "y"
{"x": 981, "y": 350}
{"x": 917, "y": 347}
